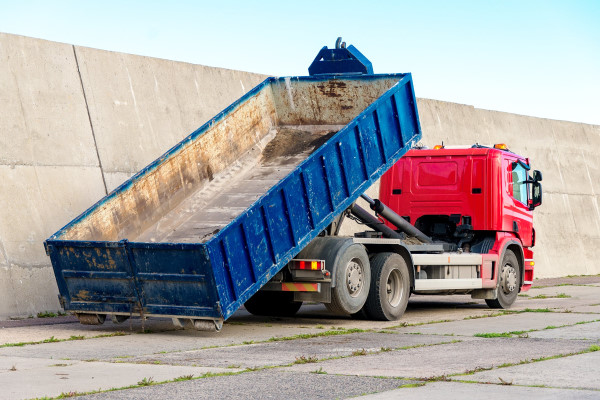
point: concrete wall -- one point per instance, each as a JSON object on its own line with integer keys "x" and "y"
{"x": 76, "y": 122}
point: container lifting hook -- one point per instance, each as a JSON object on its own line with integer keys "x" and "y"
{"x": 339, "y": 44}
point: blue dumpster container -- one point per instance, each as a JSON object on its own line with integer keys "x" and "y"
{"x": 202, "y": 228}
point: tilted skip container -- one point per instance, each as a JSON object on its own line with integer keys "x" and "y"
{"x": 200, "y": 230}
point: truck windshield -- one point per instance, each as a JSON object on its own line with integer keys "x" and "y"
{"x": 519, "y": 187}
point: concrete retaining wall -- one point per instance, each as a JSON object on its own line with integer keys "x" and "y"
{"x": 76, "y": 122}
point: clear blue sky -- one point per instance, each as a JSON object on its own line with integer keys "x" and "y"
{"x": 538, "y": 58}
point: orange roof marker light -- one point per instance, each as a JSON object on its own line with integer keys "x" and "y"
{"x": 501, "y": 146}
{"x": 438, "y": 146}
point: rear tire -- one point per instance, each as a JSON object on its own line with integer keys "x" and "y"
{"x": 352, "y": 280}
{"x": 274, "y": 304}
{"x": 509, "y": 278}
{"x": 390, "y": 287}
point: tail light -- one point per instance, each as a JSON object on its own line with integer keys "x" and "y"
{"x": 312, "y": 265}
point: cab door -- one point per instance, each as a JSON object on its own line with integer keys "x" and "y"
{"x": 517, "y": 217}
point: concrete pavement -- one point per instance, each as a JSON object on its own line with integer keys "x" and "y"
{"x": 444, "y": 347}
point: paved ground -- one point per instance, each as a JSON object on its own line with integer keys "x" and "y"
{"x": 444, "y": 347}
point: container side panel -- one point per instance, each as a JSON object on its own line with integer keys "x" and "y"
{"x": 278, "y": 223}
{"x": 175, "y": 280}
{"x": 407, "y": 112}
{"x": 238, "y": 260}
{"x": 317, "y": 189}
{"x": 335, "y": 179}
{"x": 388, "y": 122}
{"x": 258, "y": 243}
{"x": 221, "y": 272}
{"x": 351, "y": 158}
{"x": 298, "y": 206}
{"x": 370, "y": 143}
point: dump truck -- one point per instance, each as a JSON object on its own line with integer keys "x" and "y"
{"x": 247, "y": 210}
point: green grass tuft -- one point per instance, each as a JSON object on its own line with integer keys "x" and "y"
{"x": 493, "y": 335}
{"x": 306, "y": 360}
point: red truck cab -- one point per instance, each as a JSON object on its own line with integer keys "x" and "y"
{"x": 479, "y": 198}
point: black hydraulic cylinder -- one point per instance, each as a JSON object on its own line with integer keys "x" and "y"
{"x": 368, "y": 219}
{"x": 395, "y": 219}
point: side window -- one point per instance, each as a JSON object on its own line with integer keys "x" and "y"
{"x": 519, "y": 187}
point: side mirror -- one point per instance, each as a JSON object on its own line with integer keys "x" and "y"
{"x": 537, "y": 176}
{"x": 536, "y": 194}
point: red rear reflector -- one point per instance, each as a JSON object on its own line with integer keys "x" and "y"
{"x": 313, "y": 265}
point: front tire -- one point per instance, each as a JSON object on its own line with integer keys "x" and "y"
{"x": 390, "y": 287}
{"x": 509, "y": 278}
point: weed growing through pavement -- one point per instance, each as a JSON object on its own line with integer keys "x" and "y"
{"x": 493, "y": 335}
{"x": 412, "y": 385}
{"x": 50, "y": 314}
{"x": 333, "y": 332}
{"x": 184, "y": 378}
{"x": 306, "y": 360}
{"x": 66, "y": 395}
{"x": 146, "y": 382}
{"x": 544, "y": 296}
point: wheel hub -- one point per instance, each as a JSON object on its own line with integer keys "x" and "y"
{"x": 508, "y": 278}
{"x": 394, "y": 288}
{"x": 354, "y": 278}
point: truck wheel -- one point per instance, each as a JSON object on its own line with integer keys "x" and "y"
{"x": 275, "y": 304}
{"x": 352, "y": 280}
{"x": 508, "y": 282}
{"x": 390, "y": 287}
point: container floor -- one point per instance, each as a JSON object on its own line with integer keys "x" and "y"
{"x": 221, "y": 200}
